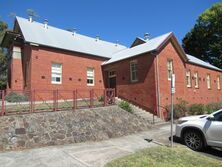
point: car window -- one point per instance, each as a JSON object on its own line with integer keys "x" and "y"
{"x": 218, "y": 117}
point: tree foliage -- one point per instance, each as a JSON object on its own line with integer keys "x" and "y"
{"x": 3, "y": 58}
{"x": 205, "y": 39}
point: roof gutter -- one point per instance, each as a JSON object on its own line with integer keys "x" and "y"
{"x": 210, "y": 68}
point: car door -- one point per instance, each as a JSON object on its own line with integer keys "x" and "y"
{"x": 214, "y": 131}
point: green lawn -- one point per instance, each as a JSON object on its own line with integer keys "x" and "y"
{"x": 166, "y": 157}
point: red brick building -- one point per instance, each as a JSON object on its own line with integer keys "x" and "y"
{"x": 47, "y": 58}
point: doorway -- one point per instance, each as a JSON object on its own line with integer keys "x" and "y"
{"x": 112, "y": 79}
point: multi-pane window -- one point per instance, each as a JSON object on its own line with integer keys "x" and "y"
{"x": 188, "y": 78}
{"x": 196, "y": 80}
{"x": 90, "y": 76}
{"x": 56, "y": 69}
{"x": 169, "y": 68}
{"x": 218, "y": 83}
{"x": 208, "y": 81}
{"x": 133, "y": 71}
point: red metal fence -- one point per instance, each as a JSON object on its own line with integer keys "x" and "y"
{"x": 21, "y": 102}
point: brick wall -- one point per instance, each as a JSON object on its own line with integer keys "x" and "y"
{"x": 38, "y": 60}
{"x": 192, "y": 94}
{"x": 74, "y": 68}
{"x": 169, "y": 52}
{"x": 143, "y": 92}
{"x": 203, "y": 94}
{"x": 16, "y": 72}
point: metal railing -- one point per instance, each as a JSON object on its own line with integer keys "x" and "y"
{"x": 23, "y": 102}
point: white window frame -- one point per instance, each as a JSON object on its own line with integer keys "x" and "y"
{"x": 169, "y": 68}
{"x": 56, "y": 72}
{"x": 208, "y": 81}
{"x": 188, "y": 78}
{"x": 90, "y": 74}
{"x": 218, "y": 82}
{"x": 133, "y": 71}
{"x": 196, "y": 80}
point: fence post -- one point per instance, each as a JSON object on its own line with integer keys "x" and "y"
{"x": 74, "y": 100}
{"x": 3, "y": 103}
{"x": 54, "y": 100}
{"x": 91, "y": 98}
{"x": 57, "y": 98}
{"x": 31, "y": 101}
{"x": 105, "y": 98}
{"x": 114, "y": 96}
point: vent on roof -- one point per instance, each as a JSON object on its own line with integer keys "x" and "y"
{"x": 30, "y": 18}
{"x": 146, "y": 36}
{"x": 74, "y": 30}
{"x": 46, "y": 23}
{"x": 97, "y": 37}
{"x": 117, "y": 43}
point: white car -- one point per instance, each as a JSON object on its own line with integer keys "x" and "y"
{"x": 200, "y": 131}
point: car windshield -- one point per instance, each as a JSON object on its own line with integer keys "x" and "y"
{"x": 216, "y": 112}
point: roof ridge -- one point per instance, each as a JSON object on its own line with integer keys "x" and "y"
{"x": 62, "y": 39}
{"x": 60, "y": 29}
{"x": 148, "y": 46}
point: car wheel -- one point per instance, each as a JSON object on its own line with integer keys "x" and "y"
{"x": 193, "y": 140}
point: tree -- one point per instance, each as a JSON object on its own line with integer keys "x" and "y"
{"x": 204, "y": 41}
{"x": 3, "y": 58}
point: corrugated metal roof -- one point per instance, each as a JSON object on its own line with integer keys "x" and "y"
{"x": 35, "y": 32}
{"x": 197, "y": 61}
{"x": 150, "y": 45}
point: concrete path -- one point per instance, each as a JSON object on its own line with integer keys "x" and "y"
{"x": 90, "y": 154}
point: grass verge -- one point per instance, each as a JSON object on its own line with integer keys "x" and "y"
{"x": 178, "y": 156}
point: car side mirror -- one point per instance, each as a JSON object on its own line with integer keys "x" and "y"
{"x": 211, "y": 118}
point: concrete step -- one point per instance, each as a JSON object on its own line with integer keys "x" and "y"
{"x": 147, "y": 116}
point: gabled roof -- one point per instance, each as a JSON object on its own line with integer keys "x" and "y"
{"x": 194, "y": 60}
{"x": 34, "y": 32}
{"x": 138, "y": 41}
{"x": 154, "y": 45}
{"x": 150, "y": 45}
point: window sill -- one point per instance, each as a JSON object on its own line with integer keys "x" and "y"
{"x": 133, "y": 81}
{"x": 90, "y": 84}
{"x": 56, "y": 83}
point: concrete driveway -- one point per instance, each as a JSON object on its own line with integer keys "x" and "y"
{"x": 90, "y": 154}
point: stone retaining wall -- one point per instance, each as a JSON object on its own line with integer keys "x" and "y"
{"x": 65, "y": 127}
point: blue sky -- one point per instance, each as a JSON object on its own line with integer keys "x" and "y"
{"x": 113, "y": 20}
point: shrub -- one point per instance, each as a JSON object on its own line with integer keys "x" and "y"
{"x": 101, "y": 98}
{"x": 196, "y": 109}
{"x": 179, "y": 110}
{"x": 211, "y": 107}
{"x": 15, "y": 97}
{"x": 126, "y": 106}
